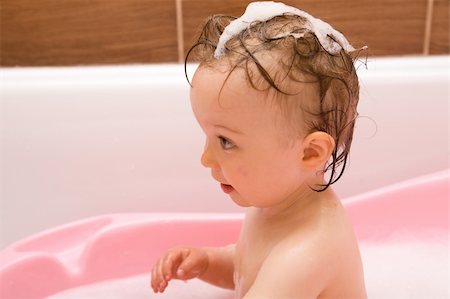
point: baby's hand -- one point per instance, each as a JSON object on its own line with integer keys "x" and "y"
{"x": 178, "y": 263}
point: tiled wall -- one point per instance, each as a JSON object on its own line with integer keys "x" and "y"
{"x": 86, "y": 32}
{"x": 439, "y": 32}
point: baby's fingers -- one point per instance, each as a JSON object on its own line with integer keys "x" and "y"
{"x": 170, "y": 264}
{"x": 156, "y": 280}
{"x": 192, "y": 266}
{"x": 179, "y": 263}
{"x": 164, "y": 269}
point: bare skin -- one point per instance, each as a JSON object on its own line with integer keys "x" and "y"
{"x": 295, "y": 242}
{"x": 311, "y": 255}
{"x": 308, "y": 254}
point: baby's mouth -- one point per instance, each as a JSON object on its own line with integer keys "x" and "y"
{"x": 227, "y": 188}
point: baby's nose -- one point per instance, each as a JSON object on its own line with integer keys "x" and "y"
{"x": 207, "y": 159}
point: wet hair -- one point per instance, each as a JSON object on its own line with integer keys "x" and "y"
{"x": 294, "y": 61}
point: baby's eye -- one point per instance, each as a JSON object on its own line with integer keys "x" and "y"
{"x": 225, "y": 143}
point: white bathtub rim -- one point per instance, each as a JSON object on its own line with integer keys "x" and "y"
{"x": 158, "y": 73}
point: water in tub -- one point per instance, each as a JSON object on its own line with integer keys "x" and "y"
{"x": 406, "y": 266}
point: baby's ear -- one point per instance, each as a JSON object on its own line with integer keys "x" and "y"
{"x": 317, "y": 150}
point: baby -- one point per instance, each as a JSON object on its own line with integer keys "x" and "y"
{"x": 275, "y": 94}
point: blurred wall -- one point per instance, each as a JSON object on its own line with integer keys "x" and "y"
{"x": 89, "y": 32}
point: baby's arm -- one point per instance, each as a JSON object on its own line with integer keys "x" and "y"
{"x": 213, "y": 265}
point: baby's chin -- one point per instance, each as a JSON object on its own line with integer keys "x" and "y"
{"x": 247, "y": 203}
{"x": 239, "y": 200}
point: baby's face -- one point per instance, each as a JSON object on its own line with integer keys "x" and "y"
{"x": 244, "y": 140}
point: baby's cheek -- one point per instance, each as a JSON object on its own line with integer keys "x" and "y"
{"x": 242, "y": 171}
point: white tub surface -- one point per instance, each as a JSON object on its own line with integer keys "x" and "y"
{"x": 82, "y": 141}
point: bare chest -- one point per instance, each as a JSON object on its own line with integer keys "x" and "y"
{"x": 252, "y": 250}
{"x": 248, "y": 262}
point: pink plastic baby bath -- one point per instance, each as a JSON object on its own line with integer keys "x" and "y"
{"x": 124, "y": 245}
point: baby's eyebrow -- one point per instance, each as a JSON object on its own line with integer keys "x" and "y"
{"x": 228, "y": 129}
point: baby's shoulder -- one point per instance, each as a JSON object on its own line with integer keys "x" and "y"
{"x": 297, "y": 267}
{"x": 315, "y": 244}
{"x": 306, "y": 259}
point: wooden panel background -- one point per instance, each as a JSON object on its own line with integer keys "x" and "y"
{"x": 440, "y": 43}
{"x": 89, "y": 32}
{"x": 80, "y": 32}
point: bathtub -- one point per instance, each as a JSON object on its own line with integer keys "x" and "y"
{"x": 402, "y": 230}
{"x": 84, "y": 141}
{"x": 80, "y": 142}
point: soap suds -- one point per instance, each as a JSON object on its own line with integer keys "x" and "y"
{"x": 331, "y": 40}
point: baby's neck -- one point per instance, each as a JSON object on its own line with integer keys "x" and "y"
{"x": 301, "y": 205}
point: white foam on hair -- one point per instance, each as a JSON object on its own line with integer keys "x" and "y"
{"x": 331, "y": 40}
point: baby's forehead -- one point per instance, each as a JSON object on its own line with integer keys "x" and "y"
{"x": 218, "y": 83}
{"x": 219, "y": 98}
{"x": 241, "y": 88}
